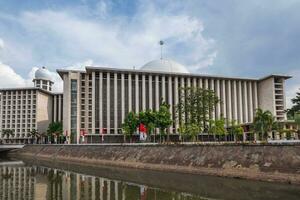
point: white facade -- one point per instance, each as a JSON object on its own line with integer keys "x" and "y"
{"x": 97, "y": 100}
{"x": 103, "y": 96}
{"x": 23, "y": 110}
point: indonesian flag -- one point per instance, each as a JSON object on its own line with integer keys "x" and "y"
{"x": 142, "y": 128}
{"x": 143, "y": 132}
{"x": 101, "y": 133}
{"x": 82, "y": 132}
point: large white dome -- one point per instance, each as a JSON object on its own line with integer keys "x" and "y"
{"x": 43, "y": 73}
{"x": 164, "y": 65}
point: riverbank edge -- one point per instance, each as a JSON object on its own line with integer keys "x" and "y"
{"x": 250, "y": 173}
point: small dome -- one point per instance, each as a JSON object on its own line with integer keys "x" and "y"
{"x": 164, "y": 65}
{"x": 43, "y": 73}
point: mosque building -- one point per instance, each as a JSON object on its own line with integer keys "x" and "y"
{"x": 96, "y": 100}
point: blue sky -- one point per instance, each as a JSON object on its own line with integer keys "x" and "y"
{"x": 228, "y": 37}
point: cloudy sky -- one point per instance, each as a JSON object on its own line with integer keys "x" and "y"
{"x": 229, "y": 37}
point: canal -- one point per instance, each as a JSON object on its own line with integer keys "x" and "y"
{"x": 29, "y": 179}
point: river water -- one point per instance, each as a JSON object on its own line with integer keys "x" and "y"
{"x": 47, "y": 180}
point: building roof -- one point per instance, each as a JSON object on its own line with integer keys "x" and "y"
{"x": 43, "y": 74}
{"x": 150, "y": 70}
{"x": 164, "y": 65}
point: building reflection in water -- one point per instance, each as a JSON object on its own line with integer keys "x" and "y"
{"x": 21, "y": 182}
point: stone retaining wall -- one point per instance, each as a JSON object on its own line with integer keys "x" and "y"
{"x": 258, "y": 162}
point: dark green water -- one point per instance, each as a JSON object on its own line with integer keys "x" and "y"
{"x": 47, "y": 180}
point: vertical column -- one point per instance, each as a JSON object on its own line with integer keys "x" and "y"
{"x": 188, "y": 82}
{"x": 240, "y": 103}
{"x": 200, "y": 83}
{"x": 129, "y": 93}
{"x": 108, "y": 102}
{"x": 224, "y": 98}
{"x": 206, "y": 83}
{"x": 235, "y": 103}
{"x": 194, "y": 82}
{"x": 250, "y": 102}
{"x": 26, "y": 112}
{"x": 245, "y": 101}
{"x": 54, "y": 108}
{"x": 116, "y": 190}
{"x": 122, "y": 97}
{"x": 176, "y": 100}
{"x": 93, "y": 101}
{"x": 59, "y": 108}
{"x": 16, "y": 113}
{"x": 255, "y": 96}
{"x": 21, "y": 112}
{"x": 255, "y": 99}
{"x": 115, "y": 103}
{"x": 218, "y": 109}
{"x": 170, "y": 100}
{"x": 31, "y": 111}
{"x": 143, "y": 92}
{"x": 156, "y": 92}
{"x": 182, "y": 85}
{"x": 101, "y": 101}
{"x": 150, "y": 92}
{"x": 137, "y": 106}
{"x": 229, "y": 111}
{"x": 163, "y": 87}
{"x": 212, "y": 87}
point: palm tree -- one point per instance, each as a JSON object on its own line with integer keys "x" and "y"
{"x": 55, "y": 129}
{"x": 263, "y": 123}
{"x": 297, "y": 120}
{"x": 34, "y": 134}
{"x": 7, "y": 133}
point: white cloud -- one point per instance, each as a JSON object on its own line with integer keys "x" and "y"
{"x": 60, "y": 37}
{"x": 9, "y": 78}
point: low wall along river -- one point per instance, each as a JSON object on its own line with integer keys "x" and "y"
{"x": 258, "y": 162}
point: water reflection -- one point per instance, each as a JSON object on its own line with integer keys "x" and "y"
{"x": 23, "y": 182}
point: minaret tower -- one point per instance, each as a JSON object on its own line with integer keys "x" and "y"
{"x": 43, "y": 79}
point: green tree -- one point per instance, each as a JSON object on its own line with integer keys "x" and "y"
{"x": 296, "y": 106}
{"x": 217, "y": 127}
{"x": 34, "y": 134}
{"x": 148, "y": 119}
{"x": 193, "y": 130}
{"x": 130, "y": 125}
{"x": 263, "y": 123}
{"x": 163, "y": 119}
{"x": 236, "y": 129}
{"x": 55, "y": 130}
{"x": 8, "y": 133}
{"x": 297, "y": 121}
{"x": 195, "y": 106}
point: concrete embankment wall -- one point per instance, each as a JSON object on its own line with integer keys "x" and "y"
{"x": 258, "y": 162}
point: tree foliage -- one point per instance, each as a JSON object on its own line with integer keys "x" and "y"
{"x": 194, "y": 109}
{"x": 130, "y": 124}
{"x": 163, "y": 118}
{"x": 55, "y": 129}
{"x": 148, "y": 118}
{"x": 296, "y": 106}
{"x": 195, "y": 106}
{"x": 217, "y": 127}
{"x": 8, "y": 132}
{"x": 236, "y": 129}
{"x": 263, "y": 123}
